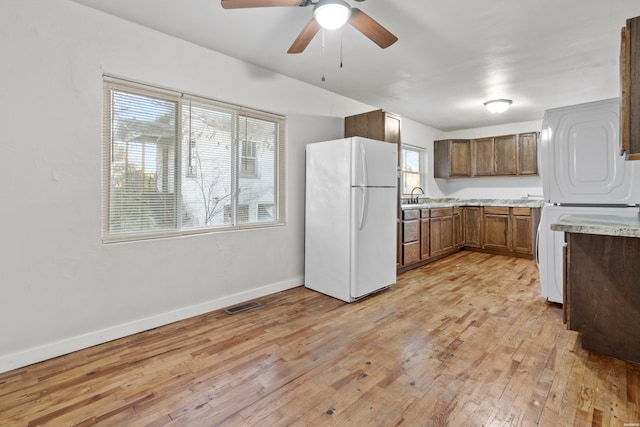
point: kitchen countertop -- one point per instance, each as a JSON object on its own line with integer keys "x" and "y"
{"x": 447, "y": 203}
{"x": 607, "y": 225}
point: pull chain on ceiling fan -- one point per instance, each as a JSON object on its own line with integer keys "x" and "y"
{"x": 354, "y": 16}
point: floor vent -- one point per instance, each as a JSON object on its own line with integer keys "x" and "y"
{"x": 242, "y": 307}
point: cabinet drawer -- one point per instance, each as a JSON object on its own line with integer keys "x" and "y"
{"x": 440, "y": 212}
{"x": 496, "y": 210}
{"x": 411, "y": 214}
{"x": 424, "y": 213}
{"x": 410, "y": 253}
{"x": 522, "y": 211}
{"x": 410, "y": 231}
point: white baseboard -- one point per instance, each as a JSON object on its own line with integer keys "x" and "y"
{"x": 37, "y": 354}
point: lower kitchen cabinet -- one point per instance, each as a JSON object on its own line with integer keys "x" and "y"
{"x": 425, "y": 233}
{"x": 410, "y": 237}
{"x": 429, "y": 234}
{"x": 510, "y": 231}
{"x": 472, "y": 226}
{"x": 496, "y": 228}
{"x": 441, "y": 233}
{"x": 524, "y": 226}
{"x": 457, "y": 228}
{"x": 602, "y": 301}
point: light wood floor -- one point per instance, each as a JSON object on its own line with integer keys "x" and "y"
{"x": 466, "y": 341}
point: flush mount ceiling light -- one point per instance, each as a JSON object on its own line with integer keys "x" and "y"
{"x": 331, "y": 14}
{"x": 498, "y": 105}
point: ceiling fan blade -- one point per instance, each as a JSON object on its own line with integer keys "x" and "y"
{"x": 305, "y": 37}
{"x": 370, "y": 28}
{"x": 242, "y": 4}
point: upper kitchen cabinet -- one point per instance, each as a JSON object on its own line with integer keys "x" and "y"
{"x": 507, "y": 155}
{"x": 483, "y": 157}
{"x": 630, "y": 85}
{"x": 379, "y": 124}
{"x": 528, "y": 153}
{"x": 452, "y": 158}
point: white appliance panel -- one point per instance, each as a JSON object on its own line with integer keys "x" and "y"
{"x": 327, "y": 213}
{"x": 551, "y": 243}
{"x": 580, "y": 156}
{"x": 373, "y": 241}
{"x": 350, "y": 231}
{"x": 371, "y": 164}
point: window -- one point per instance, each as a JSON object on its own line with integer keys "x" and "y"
{"x": 248, "y": 159}
{"x": 413, "y": 170}
{"x": 177, "y": 164}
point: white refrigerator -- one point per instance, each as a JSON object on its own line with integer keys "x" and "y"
{"x": 583, "y": 172}
{"x": 350, "y": 217}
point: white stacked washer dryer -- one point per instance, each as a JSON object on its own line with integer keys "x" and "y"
{"x": 583, "y": 171}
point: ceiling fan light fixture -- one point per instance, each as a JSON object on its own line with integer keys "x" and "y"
{"x": 331, "y": 14}
{"x": 497, "y": 106}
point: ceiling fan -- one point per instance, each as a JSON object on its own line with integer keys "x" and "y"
{"x": 354, "y": 16}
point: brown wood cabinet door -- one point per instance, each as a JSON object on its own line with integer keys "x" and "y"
{"x": 496, "y": 231}
{"x": 378, "y": 124}
{"x": 435, "y": 237}
{"x": 446, "y": 233}
{"x": 522, "y": 234}
{"x": 392, "y": 128}
{"x": 528, "y": 153}
{"x": 424, "y": 238}
{"x": 630, "y": 85}
{"x": 506, "y": 155}
{"x": 441, "y": 159}
{"x": 602, "y": 298}
{"x": 356, "y": 125}
{"x": 459, "y": 158}
{"x": 482, "y": 154}
{"x": 457, "y": 231}
{"x": 441, "y": 235}
{"x": 472, "y": 226}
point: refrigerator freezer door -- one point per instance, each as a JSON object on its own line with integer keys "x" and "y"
{"x": 374, "y": 163}
{"x": 551, "y": 243}
{"x": 373, "y": 247}
{"x": 580, "y": 156}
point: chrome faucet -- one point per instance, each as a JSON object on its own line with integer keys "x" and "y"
{"x": 412, "y": 200}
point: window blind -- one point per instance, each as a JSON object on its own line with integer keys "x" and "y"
{"x": 177, "y": 164}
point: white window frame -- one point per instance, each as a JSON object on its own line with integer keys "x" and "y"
{"x": 185, "y": 160}
{"x": 422, "y": 173}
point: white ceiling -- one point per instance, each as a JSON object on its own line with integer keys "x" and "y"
{"x": 451, "y": 56}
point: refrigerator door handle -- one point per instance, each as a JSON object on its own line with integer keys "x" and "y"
{"x": 363, "y": 210}
{"x": 363, "y": 158}
{"x": 538, "y": 245}
{"x": 365, "y": 191}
